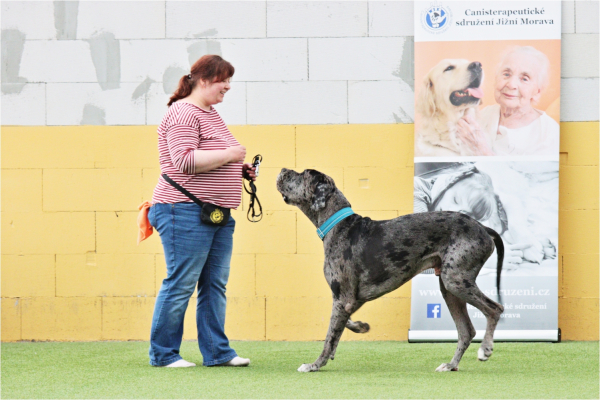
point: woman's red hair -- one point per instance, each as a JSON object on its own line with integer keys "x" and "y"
{"x": 211, "y": 68}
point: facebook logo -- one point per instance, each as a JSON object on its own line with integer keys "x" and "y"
{"x": 434, "y": 311}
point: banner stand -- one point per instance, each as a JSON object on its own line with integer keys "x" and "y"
{"x": 487, "y": 137}
{"x": 499, "y": 336}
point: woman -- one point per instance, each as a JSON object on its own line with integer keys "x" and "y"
{"x": 197, "y": 151}
{"x": 513, "y": 127}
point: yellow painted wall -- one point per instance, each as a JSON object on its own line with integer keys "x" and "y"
{"x": 71, "y": 269}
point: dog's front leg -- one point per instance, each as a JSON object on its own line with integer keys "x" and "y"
{"x": 339, "y": 317}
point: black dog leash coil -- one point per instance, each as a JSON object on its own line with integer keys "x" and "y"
{"x": 252, "y": 192}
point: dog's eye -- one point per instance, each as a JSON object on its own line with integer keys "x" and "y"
{"x": 449, "y": 68}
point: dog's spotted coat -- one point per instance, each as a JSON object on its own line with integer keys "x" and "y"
{"x": 365, "y": 259}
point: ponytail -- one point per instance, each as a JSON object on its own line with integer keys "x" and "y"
{"x": 211, "y": 68}
{"x": 183, "y": 89}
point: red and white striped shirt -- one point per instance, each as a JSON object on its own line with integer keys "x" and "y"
{"x": 185, "y": 128}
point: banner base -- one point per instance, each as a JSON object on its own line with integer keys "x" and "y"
{"x": 552, "y": 335}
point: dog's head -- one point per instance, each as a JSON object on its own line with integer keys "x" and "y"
{"x": 311, "y": 191}
{"x": 451, "y": 87}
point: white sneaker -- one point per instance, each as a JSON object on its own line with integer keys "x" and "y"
{"x": 181, "y": 364}
{"x": 236, "y": 362}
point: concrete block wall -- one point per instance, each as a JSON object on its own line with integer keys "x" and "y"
{"x": 327, "y": 85}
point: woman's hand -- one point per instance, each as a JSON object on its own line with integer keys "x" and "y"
{"x": 249, "y": 172}
{"x": 470, "y": 132}
{"x": 236, "y": 153}
{"x": 514, "y": 254}
{"x": 549, "y": 248}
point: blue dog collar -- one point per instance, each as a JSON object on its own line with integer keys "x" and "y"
{"x": 333, "y": 221}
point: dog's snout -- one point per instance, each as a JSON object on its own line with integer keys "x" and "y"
{"x": 475, "y": 66}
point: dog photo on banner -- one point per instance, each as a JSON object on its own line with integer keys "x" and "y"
{"x": 487, "y": 102}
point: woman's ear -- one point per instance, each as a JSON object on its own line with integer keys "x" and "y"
{"x": 536, "y": 97}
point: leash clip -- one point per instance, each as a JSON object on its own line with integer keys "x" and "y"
{"x": 256, "y": 163}
{"x": 252, "y": 215}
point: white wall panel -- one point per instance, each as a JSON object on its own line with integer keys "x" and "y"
{"x": 57, "y": 61}
{"x": 579, "y": 99}
{"x": 379, "y": 102}
{"x": 586, "y": 16}
{"x": 156, "y": 104}
{"x": 391, "y": 18}
{"x": 141, "y": 59}
{"x": 125, "y": 19}
{"x": 568, "y": 17}
{"x": 33, "y": 18}
{"x": 316, "y": 18}
{"x": 579, "y": 55}
{"x": 355, "y": 58}
{"x": 297, "y": 103}
{"x": 267, "y": 59}
{"x": 88, "y": 104}
{"x": 27, "y": 107}
{"x": 216, "y": 19}
{"x": 253, "y": 59}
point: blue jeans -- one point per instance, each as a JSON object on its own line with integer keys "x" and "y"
{"x": 196, "y": 254}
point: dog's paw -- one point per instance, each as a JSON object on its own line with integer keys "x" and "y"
{"x": 483, "y": 355}
{"x": 364, "y": 327}
{"x": 358, "y": 326}
{"x": 446, "y": 367}
{"x": 308, "y": 368}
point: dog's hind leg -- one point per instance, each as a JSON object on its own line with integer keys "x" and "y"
{"x": 469, "y": 292}
{"x": 492, "y": 312}
{"x": 339, "y": 317}
{"x": 466, "y": 331}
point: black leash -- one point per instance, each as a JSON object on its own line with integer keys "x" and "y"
{"x": 252, "y": 192}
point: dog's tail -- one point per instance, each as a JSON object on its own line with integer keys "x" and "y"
{"x": 500, "y": 250}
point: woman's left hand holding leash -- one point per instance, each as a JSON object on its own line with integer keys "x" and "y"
{"x": 249, "y": 172}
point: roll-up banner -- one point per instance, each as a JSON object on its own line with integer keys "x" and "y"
{"x": 487, "y": 102}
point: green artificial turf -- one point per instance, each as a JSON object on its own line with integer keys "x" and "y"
{"x": 361, "y": 370}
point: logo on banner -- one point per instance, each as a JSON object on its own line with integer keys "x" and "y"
{"x": 436, "y": 18}
{"x": 434, "y": 311}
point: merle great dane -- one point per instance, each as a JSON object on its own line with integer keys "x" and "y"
{"x": 365, "y": 259}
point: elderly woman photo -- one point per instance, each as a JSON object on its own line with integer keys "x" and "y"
{"x": 513, "y": 126}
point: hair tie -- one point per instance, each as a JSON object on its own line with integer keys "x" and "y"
{"x": 189, "y": 76}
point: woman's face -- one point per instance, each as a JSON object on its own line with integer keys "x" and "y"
{"x": 213, "y": 93}
{"x": 453, "y": 199}
{"x": 516, "y": 83}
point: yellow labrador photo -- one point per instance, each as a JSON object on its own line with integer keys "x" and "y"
{"x": 449, "y": 91}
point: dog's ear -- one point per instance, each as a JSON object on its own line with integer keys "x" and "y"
{"x": 323, "y": 190}
{"x": 426, "y": 102}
